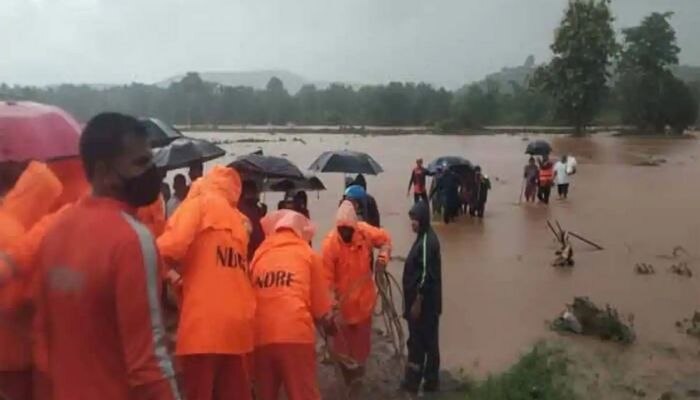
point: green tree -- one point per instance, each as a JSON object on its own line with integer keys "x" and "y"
{"x": 576, "y": 78}
{"x": 650, "y": 96}
{"x": 278, "y": 103}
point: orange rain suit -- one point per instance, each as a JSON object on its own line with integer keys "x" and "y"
{"x": 291, "y": 292}
{"x": 207, "y": 237}
{"x": 33, "y": 195}
{"x": 347, "y": 267}
{"x": 98, "y": 314}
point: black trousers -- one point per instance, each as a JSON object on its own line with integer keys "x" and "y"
{"x": 420, "y": 196}
{"x": 563, "y": 190}
{"x": 543, "y": 193}
{"x": 423, "y": 353}
{"x": 477, "y": 209}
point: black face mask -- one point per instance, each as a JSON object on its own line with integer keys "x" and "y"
{"x": 346, "y": 233}
{"x": 142, "y": 190}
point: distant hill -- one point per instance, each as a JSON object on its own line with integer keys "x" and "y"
{"x": 519, "y": 75}
{"x": 256, "y": 79}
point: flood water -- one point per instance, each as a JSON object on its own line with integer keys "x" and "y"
{"x": 499, "y": 287}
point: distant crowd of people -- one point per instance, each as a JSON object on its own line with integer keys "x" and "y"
{"x": 453, "y": 192}
{"x": 540, "y": 177}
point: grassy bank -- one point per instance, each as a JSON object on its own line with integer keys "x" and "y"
{"x": 542, "y": 374}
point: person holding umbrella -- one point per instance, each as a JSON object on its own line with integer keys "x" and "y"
{"x": 531, "y": 176}
{"x": 448, "y": 188}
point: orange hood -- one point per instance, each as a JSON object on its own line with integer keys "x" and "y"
{"x": 34, "y": 194}
{"x": 221, "y": 181}
{"x": 288, "y": 219}
{"x": 346, "y": 215}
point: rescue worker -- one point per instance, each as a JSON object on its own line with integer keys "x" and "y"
{"x": 480, "y": 193}
{"x": 30, "y": 197}
{"x": 422, "y": 289}
{"x": 250, "y": 207}
{"x": 207, "y": 238}
{"x": 105, "y": 296}
{"x": 372, "y": 211}
{"x": 418, "y": 182}
{"x": 545, "y": 180}
{"x": 346, "y": 257}
{"x": 292, "y": 294}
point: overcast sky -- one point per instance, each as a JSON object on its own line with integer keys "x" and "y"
{"x": 367, "y": 41}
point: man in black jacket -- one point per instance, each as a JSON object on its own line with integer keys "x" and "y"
{"x": 422, "y": 287}
{"x": 371, "y": 211}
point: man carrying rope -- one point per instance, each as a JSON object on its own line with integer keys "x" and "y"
{"x": 422, "y": 288}
{"x": 346, "y": 258}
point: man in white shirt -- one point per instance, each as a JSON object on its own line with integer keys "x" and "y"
{"x": 180, "y": 189}
{"x": 561, "y": 177}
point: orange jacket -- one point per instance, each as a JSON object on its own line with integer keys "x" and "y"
{"x": 207, "y": 237}
{"x": 15, "y": 349}
{"x": 33, "y": 195}
{"x": 347, "y": 266}
{"x": 153, "y": 216}
{"x": 72, "y": 176}
{"x": 104, "y": 297}
{"x": 288, "y": 280}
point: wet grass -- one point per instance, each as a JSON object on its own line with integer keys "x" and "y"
{"x": 541, "y": 374}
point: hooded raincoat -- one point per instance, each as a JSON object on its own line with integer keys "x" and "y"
{"x": 347, "y": 265}
{"x": 289, "y": 283}
{"x": 207, "y": 237}
{"x": 34, "y": 194}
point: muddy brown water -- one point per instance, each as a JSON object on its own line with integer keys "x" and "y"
{"x": 499, "y": 287}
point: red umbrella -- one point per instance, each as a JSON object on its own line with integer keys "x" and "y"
{"x": 34, "y": 131}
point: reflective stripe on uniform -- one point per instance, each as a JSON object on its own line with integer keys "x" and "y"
{"x": 150, "y": 263}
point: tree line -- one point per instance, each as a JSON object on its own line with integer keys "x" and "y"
{"x": 591, "y": 79}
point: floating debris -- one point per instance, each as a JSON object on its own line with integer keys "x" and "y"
{"x": 644, "y": 269}
{"x": 583, "y": 317}
{"x": 682, "y": 269}
{"x": 691, "y": 326}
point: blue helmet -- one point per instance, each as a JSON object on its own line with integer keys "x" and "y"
{"x": 355, "y": 192}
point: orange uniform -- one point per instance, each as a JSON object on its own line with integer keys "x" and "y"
{"x": 207, "y": 238}
{"x": 153, "y": 216}
{"x": 30, "y": 199}
{"x": 291, "y": 292}
{"x": 104, "y": 297}
{"x": 347, "y": 267}
{"x": 71, "y": 174}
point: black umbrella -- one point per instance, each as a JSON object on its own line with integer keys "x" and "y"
{"x": 159, "y": 133}
{"x": 183, "y": 151}
{"x": 538, "y": 148}
{"x": 349, "y": 162}
{"x": 455, "y": 163}
{"x": 266, "y": 167}
{"x": 309, "y": 183}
